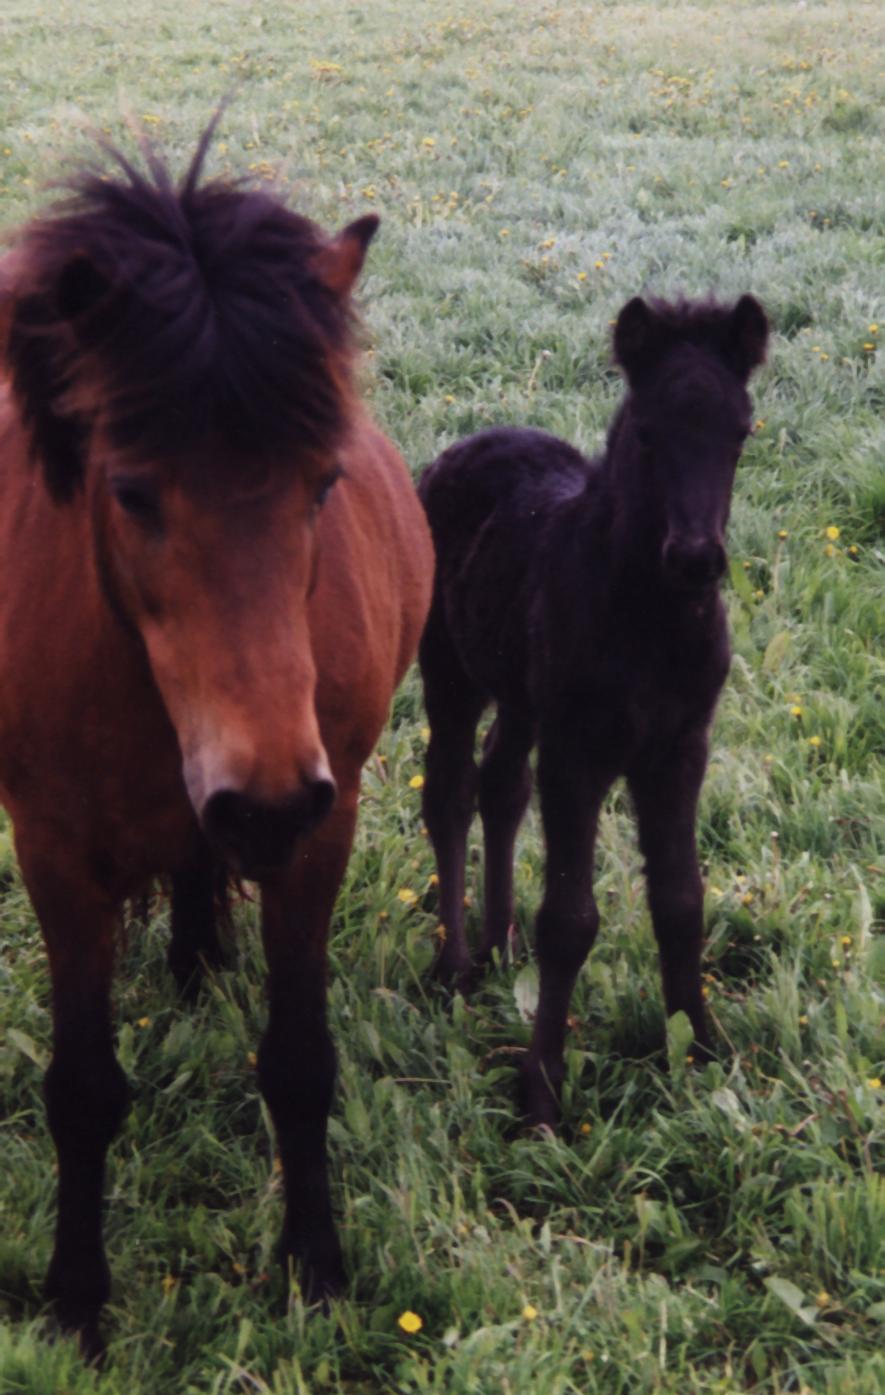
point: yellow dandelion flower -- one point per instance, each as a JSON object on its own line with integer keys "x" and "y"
{"x": 448, "y": 398}
{"x": 429, "y": 141}
{"x": 868, "y": 348}
{"x": 833, "y": 532}
{"x": 582, "y": 276}
{"x": 874, "y": 1082}
{"x": 529, "y": 1313}
{"x": 143, "y": 1022}
{"x": 846, "y": 940}
{"x": 410, "y": 1322}
{"x": 599, "y": 265}
{"x": 149, "y": 119}
{"x": 803, "y": 1020}
{"x": 168, "y": 1283}
{"x": 783, "y": 534}
{"x": 814, "y": 741}
{"x": 760, "y": 423}
{"x": 747, "y": 898}
{"x": 853, "y": 550}
{"x": 796, "y": 711}
{"x": 434, "y": 879}
{"x": 407, "y": 896}
{"x": 759, "y": 595}
{"x": 822, "y": 1299}
{"x": 873, "y": 329}
{"x": 416, "y": 782}
{"x": 504, "y": 232}
{"x": 585, "y": 1129}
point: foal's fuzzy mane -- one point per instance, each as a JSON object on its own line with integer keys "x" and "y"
{"x": 186, "y": 313}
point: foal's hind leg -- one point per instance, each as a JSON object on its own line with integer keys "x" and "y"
{"x": 505, "y": 785}
{"x": 665, "y": 799}
{"x": 194, "y": 944}
{"x": 454, "y": 706}
{"x": 85, "y": 1089}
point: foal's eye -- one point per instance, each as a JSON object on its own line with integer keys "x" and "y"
{"x": 138, "y": 500}
{"x": 325, "y": 487}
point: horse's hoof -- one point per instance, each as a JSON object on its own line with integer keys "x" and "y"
{"x": 82, "y": 1321}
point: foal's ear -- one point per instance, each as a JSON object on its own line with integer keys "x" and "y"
{"x": 747, "y": 335}
{"x": 637, "y": 335}
{"x": 337, "y": 265}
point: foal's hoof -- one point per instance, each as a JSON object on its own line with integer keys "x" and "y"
{"x": 319, "y": 1268}
{"x": 458, "y": 973}
{"x": 538, "y": 1098}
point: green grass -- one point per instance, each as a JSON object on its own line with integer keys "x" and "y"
{"x": 710, "y": 1231}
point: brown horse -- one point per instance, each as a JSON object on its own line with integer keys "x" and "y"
{"x": 200, "y": 635}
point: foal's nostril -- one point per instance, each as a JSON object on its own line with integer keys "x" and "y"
{"x": 694, "y": 562}
{"x": 261, "y": 835}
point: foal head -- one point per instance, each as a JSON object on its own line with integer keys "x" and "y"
{"x": 181, "y": 358}
{"x": 687, "y": 416}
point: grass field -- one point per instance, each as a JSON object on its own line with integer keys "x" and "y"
{"x": 712, "y": 1231}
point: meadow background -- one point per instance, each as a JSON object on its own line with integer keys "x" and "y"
{"x": 715, "y": 1230}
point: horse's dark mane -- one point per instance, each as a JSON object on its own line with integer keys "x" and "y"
{"x": 193, "y": 313}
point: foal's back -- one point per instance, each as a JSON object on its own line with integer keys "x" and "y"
{"x": 503, "y": 505}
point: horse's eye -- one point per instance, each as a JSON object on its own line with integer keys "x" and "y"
{"x": 325, "y": 487}
{"x": 138, "y": 500}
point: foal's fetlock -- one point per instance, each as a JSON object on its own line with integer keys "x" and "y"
{"x": 538, "y": 1095}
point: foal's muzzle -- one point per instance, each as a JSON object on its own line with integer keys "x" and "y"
{"x": 258, "y": 837}
{"x": 693, "y": 563}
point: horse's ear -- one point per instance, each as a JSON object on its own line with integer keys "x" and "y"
{"x": 10, "y": 276}
{"x": 39, "y": 349}
{"x": 636, "y": 337}
{"x": 338, "y": 264}
{"x": 747, "y": 335}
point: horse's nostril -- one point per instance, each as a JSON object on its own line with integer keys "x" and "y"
{"x": 261, "y": 835}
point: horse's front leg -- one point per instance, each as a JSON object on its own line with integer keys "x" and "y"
{"x": 572, "y": 786}
{"x": 665, "y": 797}
{"x": 85, "y": 1089}
{"x": 296, "y": 1059}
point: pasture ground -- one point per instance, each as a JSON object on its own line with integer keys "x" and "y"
{"x": 710, "y": 1231}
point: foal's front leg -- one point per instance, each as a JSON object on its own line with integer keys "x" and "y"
{"x": 665, "y": 797}
{"x": 296, "y": 1059}
{"x": 194, "y": 944}
{"x": 572, "y": 785}
{"x": 85, "y": 1089}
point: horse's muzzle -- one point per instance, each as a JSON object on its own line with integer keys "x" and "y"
{"x": 258, "y": 837}
{"x": 691, "y": 563}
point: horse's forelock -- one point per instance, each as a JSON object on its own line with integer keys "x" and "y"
{"x": 194, "y": 311}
